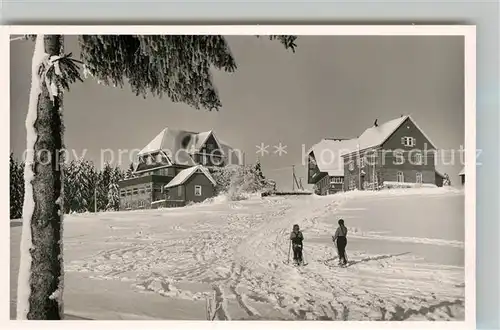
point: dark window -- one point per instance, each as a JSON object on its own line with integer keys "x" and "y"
{"x": 400, "y": 177}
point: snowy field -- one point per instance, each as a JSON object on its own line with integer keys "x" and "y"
{"x": 405, "y": 247}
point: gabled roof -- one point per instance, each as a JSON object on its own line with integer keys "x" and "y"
{"x": 184, "y": 175}
{"x": 439, "y": 173}
{"x": 328, "y": 155}
{"x": 179, "y": 144}
{"x": 462, "y": 172}
{"x": 376, "y": 136}
{"x": 372, "y": 137}
{"x": 201, "y": 138}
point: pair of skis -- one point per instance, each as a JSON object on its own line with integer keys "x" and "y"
{"x": 296, "y": 264}
{"x": 304, "y": 263}
{"x": 347, "y": 263}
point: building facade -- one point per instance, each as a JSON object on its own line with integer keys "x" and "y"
{"x": 194, "y": 184}
{"x": 168, "y": 158}
{"x": 395, "y": 153}
{"x": 325, "y": 169}
{"x": 140, "y": 192}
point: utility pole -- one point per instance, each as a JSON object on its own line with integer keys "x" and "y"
{"x": 359, "y": 168}
{"x": 374, "y": 175}
{"x": 293, "y": 177}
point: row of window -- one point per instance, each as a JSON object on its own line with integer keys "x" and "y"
{"x": 135, "y": 191}
{"x": 138, "y": 191}
{"x": 417, "y": 159}
{"x": 141, "y": 205}
{"x": 337, "y": 180}
{"x": 197, "y": 191}
{"x": 150, "y": 160}
{"x": 400, "y": 177}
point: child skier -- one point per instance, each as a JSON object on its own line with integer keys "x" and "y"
{"x": 296, "y": 238}
{"x": 340, "y": 238}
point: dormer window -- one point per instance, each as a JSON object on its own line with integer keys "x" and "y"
{"x": 159, "y": 158}
{"x": 408, "y": 141}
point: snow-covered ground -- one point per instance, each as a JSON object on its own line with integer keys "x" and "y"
{"x": 406, "y": 249}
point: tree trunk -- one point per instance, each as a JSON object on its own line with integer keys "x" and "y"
{"x": 46, "y": 271}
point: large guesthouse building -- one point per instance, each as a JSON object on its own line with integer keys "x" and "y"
{"x": 173, "y": 170}
{"x": 392, "y": 154}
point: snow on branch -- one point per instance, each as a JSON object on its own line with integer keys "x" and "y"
{"x": 58, "y": 72}
{"x": 18, "y": 38}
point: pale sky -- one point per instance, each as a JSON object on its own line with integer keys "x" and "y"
{"x": 333, "y": 86}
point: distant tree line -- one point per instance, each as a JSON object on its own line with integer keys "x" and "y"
{"x": 85, "y": 187}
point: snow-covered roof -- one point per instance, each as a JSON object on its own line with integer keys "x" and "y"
{"x": 179, "y": 144}
{"x": 377, "y": 135}
{"x": 328, "y": 155}
{"x": 462, "y": 172}
{"x": 184, "y": 175}
{"x": 439, "y": 173}
{"x": 372, "y": 137}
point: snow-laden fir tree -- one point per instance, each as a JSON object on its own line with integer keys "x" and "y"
{"x": 114, "y": 190}
{"x": 237, "y": 180}
{"x": 70, "y": 187}
{"x": 85, "y": 179}
{"x": 16, "y": 188}
{"x": 175, "y": 66}
{"x": 13, "y": 194}
{"x": 103, "y": 183}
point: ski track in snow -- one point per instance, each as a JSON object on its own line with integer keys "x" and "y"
{"x": 238, "y": 250}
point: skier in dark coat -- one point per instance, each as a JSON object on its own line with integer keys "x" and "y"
{"x": 340, "y": 238}
{"x": 296, "y": 238}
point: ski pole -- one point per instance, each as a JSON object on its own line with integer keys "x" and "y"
{"x": 289, "y": 249}
{"x": 336, "y": 248}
